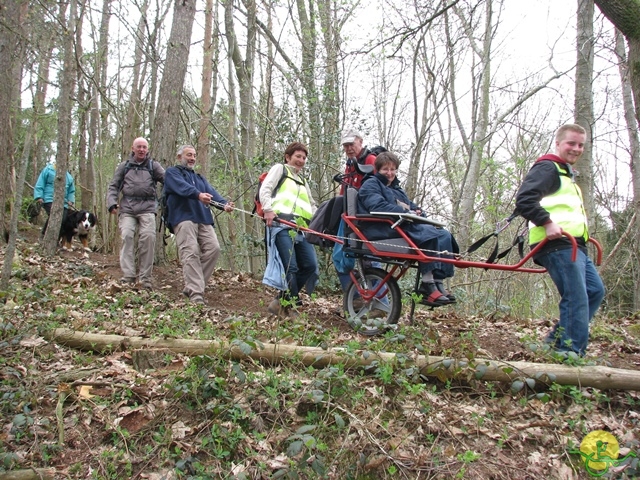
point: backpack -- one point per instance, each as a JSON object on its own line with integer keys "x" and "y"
{"x": 353, "y": 174}
{"x": 164, "y": 213}
{"x": 326, "y": 220}
{"x": 136, "y": 166}
{"x": 257, "y": 207}
{"x": 377, "y": 150}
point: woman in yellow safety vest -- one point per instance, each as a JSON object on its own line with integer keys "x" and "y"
{"x": 285, "y": 194}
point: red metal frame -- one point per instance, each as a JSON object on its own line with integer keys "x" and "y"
{"x": 368, "y": 295}
{"x": 419, "y": 256}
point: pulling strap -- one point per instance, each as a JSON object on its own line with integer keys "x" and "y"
{"x": 518, "y": 240}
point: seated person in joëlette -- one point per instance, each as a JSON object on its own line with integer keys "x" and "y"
{"x": 382, "y": 193}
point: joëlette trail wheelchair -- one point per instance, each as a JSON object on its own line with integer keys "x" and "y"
{"x": 373, "y": 301}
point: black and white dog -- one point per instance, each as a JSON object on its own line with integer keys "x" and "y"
{"x": 78, "y": 223}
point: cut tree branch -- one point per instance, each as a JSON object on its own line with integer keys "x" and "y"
{"x": 432, "y": 366}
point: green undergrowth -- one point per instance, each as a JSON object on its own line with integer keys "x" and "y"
{"x": 216, "y": 417}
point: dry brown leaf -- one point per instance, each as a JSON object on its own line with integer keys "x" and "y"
{"x": 179, "y": 430}
{"x": 32, "y": 342}
{"x": 85, "y": 392}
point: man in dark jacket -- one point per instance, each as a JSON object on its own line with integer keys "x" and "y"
{"x": 189, "y": 196}
{"x": 135, "y": 182}
{"x": 552, "y": 202}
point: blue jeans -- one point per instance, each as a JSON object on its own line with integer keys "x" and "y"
{"x": 581, "y": 293}
{"x": 300, "y": 263}
{"x": 442, "y": 242}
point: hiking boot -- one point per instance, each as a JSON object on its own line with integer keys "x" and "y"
{"x": 275, "y": 308}
{"x": 197, "y": 299}
{"x": 128, "y": 280}
{"x": 291, "y": 313}
{"x": 444, "y": 291}
{"x": 147, "y": 286}
{"x": 377, "y": 313}
{"x": 431, "y": 296}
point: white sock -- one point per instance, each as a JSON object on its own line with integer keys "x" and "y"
{"x": 427, "y": 277}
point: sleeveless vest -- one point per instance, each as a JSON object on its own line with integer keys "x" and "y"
{"x": 566, "y": 209}
{"x": 292, "y": 198}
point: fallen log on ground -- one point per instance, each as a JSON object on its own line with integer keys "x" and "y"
{"x": 433, "y": 366}
{"x": 29, "y": 474}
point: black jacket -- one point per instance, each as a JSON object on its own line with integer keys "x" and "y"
{"x": 542, "y": 180}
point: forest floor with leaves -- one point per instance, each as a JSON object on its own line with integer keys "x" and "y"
{"x": 135, "y": 414}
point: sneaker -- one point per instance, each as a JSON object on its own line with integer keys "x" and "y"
{"x": 444, "y": 291}
{"x": 431, "y": 296}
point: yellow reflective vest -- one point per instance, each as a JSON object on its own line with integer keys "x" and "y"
{"x": 566, "y": 209}
{"x": 293, "y": 198}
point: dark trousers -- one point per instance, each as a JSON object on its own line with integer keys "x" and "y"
{"x": 47, "y": 208}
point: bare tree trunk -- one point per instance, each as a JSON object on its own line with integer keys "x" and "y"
{"x": 65, "y": 100}
{"x": 308, "y": 44}
{"x": 15, "y": 212}
{"x": 479, "y": 137}
{"x": 39, "y": 108}
{"x": 134, "y": 107}
{"x": 98, "y": 112}
{"x": 153, "y": 46}
{"x": 165, "y": 129}
{"x": 12, "y": 48}
{"x": 634, "y": 143}
{"x": 205, "y": 108}
{"x": 82, "y": 196}
{"x": 266, "y": 132}
{"x": 243, "y": 69}
{"x": 625, "y": 15}
{"x": 423, "y": 121}
{"x": 328, "y": 146}
{"x": 583, "y": 107}
{"x": 83, "y": 114}
{"x": 163, "y": 136}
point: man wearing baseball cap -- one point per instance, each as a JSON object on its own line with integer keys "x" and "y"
{"x": 352, "y": 145}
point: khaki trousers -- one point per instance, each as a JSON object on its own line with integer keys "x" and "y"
{"x": 146, "y": 225}
{"x": 199, "y": 250}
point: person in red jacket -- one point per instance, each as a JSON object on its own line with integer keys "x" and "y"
{"x": 352, "y": 141}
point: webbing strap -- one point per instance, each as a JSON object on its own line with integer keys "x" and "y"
{"x": 518, "y": 240}
{"x": 494, "y": 255}
{"x": 478, "y": 243}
